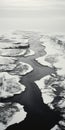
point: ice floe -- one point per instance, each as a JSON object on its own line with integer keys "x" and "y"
{"x": 61, "y": 104}
{"x": 10, "y": 85}
{"x": 12, "y": 37}
{"x": 22, "y": 69}
{"x": 11, "y": 114}
{"x": 18, "y": 45}
{"x": 49, "y": 86}
{"x": 29, "y": 52}
{"x": 7, "y": 67}
{"x": 7, "y": 60}
{"x": 12, "y": 52}
{"x": 16, "y": 52}
{"x": 47, "y": 91}
{"x": 6, "y": 45}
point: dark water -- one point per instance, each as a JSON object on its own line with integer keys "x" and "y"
{"x": 39, "y": 115}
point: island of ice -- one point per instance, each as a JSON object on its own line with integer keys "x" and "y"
{"x": 11, "y": 114}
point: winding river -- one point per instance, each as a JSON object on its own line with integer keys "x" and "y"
{"x": 39, "y": 115}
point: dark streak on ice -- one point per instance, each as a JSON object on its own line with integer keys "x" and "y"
{"x": 39, "y": 115}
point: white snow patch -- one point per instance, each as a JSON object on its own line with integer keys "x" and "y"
{"x": 6, "y": 45}
{"x": 12, "y": 52}
{"x": 56, "y": 127}
{"x": 11, "y": 114}
{"x": 62, "y": 123}
{"x": 9, "y": 85}
{"x": 22, "y": 69}
{"x": 12, "y": 37}
{"x": 42, "y": 61}
{"x": 29, "y": 52}
{"x": 6, "y": 67}
{"x": 55, "y": 54}
{"x": 61, "y": 103}
{"x": 7, "y": 60}
{"x": 46, "y": 89}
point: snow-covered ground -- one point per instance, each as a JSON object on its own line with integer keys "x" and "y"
{"x": 55, "y": 54}
{"x": 53, "y": 86}
{"x": 11, "y": 114}
{"x": 45, "y": 85}
{"x": 12, "y": 37}
{"x": 49, "y": 86}
{"x": 13, "y": 45}
{"x": 10, "y": 85}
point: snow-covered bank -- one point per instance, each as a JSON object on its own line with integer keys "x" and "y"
{"x": 55, "y": 54}
{"x": 9, "y": 85}
{"x": 45, "y": 86}
{"x": 22, "y": 69}
{"x": 53, "y": 86}
{"x": 11, "y": 114}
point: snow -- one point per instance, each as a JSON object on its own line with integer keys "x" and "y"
{"x": 49, "y": 86}
{"x": 62, "y": 123}
{"x": 22, "y": 69}
{"x": 12, "y": 52}
{"x": 7, "y": 67}
{"x": 42, "y": 61}
{"x": 7, "y": 60}
{"x": 11, "y": 114}
{"x": 46, "y": 89}
{"x": 55, "y": 54}
{"x": 54, "y": 58}
{"x": 12, "y": 37}
{"x": 5, "y": 45}
{"x": 61, "y": 104}
{"x": 29, "y": 52}
{"x": 56, "y": 127}
{"x": 16, "y": 52}
{"x": 9, "y": 85}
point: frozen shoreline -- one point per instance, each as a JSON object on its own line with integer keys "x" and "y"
{"x": 50, "y": 89}
{"x": 54, "y": 52}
